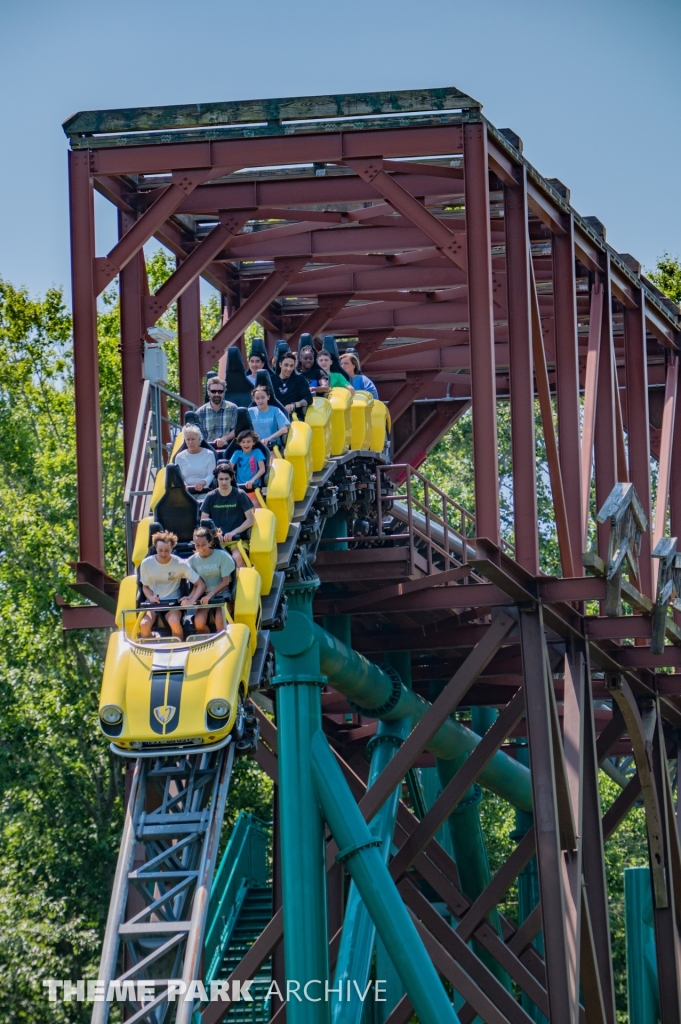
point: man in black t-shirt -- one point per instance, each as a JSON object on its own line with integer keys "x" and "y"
{"x": 230, "y": 509}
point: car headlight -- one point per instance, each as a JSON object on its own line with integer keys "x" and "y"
{"x": 219, "y": 708}
{"x": 111, "y": 714}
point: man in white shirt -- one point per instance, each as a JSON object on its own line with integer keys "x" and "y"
{"x": 161, "y": 575}
{"x": 197, "y": 464}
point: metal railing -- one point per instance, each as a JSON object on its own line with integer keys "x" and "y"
{"x": 441, "y": 525}
{"x": 245, "y": 863}
{"x": 155, "y": 434}
{"x": 439, "y": 530}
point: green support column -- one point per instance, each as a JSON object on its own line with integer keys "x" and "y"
{"x": 385, "y": 968}
{"x": 298, "y": 683}
{"x": 468, "y": 840}
{"x": 358, "y": 850}
{"x": 336, "y": 526}
{"x": 359, "y": 932}
{"x": 642, "y": 987}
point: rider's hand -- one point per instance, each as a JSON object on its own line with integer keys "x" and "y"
{"x": 205, "y": 599}
{"x": 155, "y": 599}
{"x": 199, "y": 486}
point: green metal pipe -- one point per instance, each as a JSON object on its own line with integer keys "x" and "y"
{"x": 642, "y": 984}
{"x": 370, "y": 687}
{"x": 364, "y": 861}
{"x": 359, "y": 932}
{"x": 470, "y": 854}
{"x": 303, "y": 876}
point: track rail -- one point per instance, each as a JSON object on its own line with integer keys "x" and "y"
{"x": 159, "y": 904}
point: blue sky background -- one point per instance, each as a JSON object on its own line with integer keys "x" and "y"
{"x": 593, "y": 88}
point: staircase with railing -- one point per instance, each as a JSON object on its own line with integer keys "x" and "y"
{"x": 240, "y": 908}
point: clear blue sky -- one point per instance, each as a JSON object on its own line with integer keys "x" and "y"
{"x": 593, "y": 88}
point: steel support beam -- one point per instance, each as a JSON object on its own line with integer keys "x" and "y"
{"x": 481, "y": 320}
{"x": 189, "y": 342}
{"x": 183, "y": 183}
{"x": 545, "y": 801}
{"x": 590, "y": 387}
{"x": 518, "y": 287}
{"x": 132, "y": 286}
{"x": 591, "y": 830}
{"x": 416, "y": 449}
{"x": 605, "y": 435}
{"x": 85, "y": 362}
{"x": 638, "y": 427}
{"x": 328, "y": 306}
{"x": 665, "y": 917}
{"x": 666, "y": 454}
{"x": 549, "y": 430}
{"x": 567, "y": 381}
{"x": 195, "y": 263}
{"x": 451, "y": 245}
{"x": 249, "y": 310}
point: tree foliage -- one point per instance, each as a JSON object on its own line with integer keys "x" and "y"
{"x": 61, "y": 790}
{"x": 667, "y": 276}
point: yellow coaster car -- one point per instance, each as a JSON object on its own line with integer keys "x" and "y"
{"x": 162, "y": 696}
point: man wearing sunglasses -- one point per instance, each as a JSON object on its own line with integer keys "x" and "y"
{"x": 217, "y": 418}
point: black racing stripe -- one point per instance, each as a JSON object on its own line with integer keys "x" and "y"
{"x": 174, "y": 697}
{"x": 156, "y": 698}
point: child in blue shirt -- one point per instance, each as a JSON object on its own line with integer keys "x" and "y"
{"x": 249, "y": 462}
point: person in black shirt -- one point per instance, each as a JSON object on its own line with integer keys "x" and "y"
{"x": 231, "y": 510}
{"x": 290, "y": 387}
{"x": 308, "y": 367}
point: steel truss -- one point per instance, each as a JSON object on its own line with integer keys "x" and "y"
{"x": 156, "y": 924}
{"x": 409, "y": 225}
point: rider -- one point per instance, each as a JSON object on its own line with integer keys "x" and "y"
{"x": 249, "y": 462}
{"x": 290, "y": 387}
{"x": 217, "y": 418}
{"x": 197, "y": 464}
{"x": 335, "y": 380}
{"x": 230, "y": 509}
{"x": 269, "y": 421}
{"x": 215, "y": 567}
{"x": 161, "y": 575}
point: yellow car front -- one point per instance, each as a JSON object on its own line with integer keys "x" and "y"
{"x": 169, "y": 696}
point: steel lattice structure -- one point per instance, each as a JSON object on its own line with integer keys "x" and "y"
{"x": 407, "y": 223}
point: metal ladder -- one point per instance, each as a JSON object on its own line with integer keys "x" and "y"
{"x": 159, "y": 904}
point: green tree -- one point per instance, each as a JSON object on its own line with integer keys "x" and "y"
{"x": 667, "y": 276}
{"x": 61, "y": 790}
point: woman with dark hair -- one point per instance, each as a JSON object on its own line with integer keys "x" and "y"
{"x": 290, "y": 387}
{"x": 215, "y": 567}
